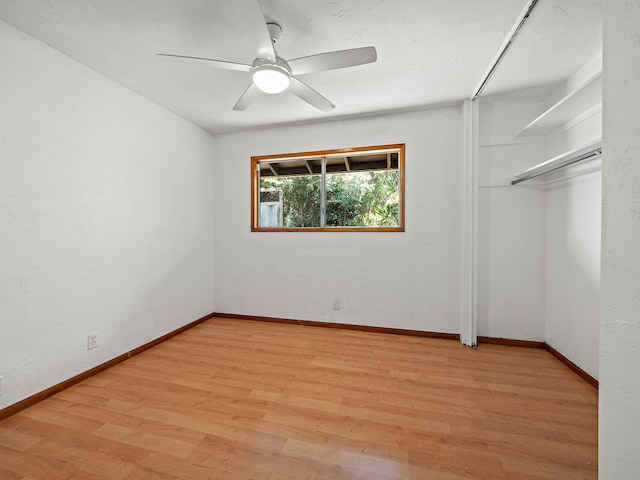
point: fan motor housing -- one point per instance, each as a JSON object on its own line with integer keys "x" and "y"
{"x": 275, "y": 30}
{"x": 280, "y": 64}
{"x": 271, "y": 77}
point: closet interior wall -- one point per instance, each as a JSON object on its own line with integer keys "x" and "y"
{"x": 539, "y": 241}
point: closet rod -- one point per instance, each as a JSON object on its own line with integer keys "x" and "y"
{"x": 550, "y": 167}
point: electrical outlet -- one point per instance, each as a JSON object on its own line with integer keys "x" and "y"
{"x": 336, "y": 304}
{"x": 92, "y": 341}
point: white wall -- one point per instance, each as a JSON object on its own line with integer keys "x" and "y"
{"x": 511, "y": 223}
{"x": 511, "y": 266}
{"x": 619, "y": 415}
{"x": 401, "y": 280}
{"x": 573, "y": 241}
{"x": 105, "y": 218}
{"x": 573, "y": 269}
{"x": 539, "y": 241}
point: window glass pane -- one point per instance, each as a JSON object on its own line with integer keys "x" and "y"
{"x": 362, "y": 199}
{"x": 292, "y": 201}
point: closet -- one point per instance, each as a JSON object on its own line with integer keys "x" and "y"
{"x": 539, "y": 214}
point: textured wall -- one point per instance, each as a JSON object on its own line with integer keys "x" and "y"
{"x": 402, "y": 280}
{"x": 105, "y": 218}
{"x": 511, "y": 263}
{"x": 511, "y": 224}
{"x": 573, "y": 240}
{"x": 539, "y": 265}
{"x": 619, "y": 418}
{"x": 573, "y": 269}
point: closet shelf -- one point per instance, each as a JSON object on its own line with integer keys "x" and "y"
{"x": 590, "y": 151}
{"x": 588, "y": 96}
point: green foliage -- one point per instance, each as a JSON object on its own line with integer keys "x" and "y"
{"x": 362, "y": 199}
{"x": 356, "y": 199}
{"x": 301, "y": 196}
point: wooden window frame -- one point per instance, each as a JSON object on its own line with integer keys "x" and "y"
{"x": 255, "y": 187}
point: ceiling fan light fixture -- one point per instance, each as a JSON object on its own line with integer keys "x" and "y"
{"x": 271, "y": 77}
{"x": 271, "y": 73}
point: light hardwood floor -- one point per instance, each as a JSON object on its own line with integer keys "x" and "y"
{"x": 236, "y": 399}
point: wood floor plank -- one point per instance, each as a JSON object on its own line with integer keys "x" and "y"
{"x": 69, "y": 437}
{"x": 237, "y": 399}
{"x": 371, "y": 465}
{"x": 148, "y": 441}
{"x": 18, "y": 441}
{"x": 82, "y": 462}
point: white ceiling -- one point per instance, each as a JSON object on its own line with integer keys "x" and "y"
{"x": 430, "y": 52}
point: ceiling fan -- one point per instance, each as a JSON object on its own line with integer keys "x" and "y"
{"x": 273, "y": 74}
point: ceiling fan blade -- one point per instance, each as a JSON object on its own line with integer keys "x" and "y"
{"x": 256, "y": 29}
{"x": 199, "y": 60}
{"x": 333, "y": 60}
{"x": 247, "y": 98}
{"x": 309, "y": 95}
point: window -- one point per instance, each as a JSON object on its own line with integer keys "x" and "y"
{"x": 356, "y": 189}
